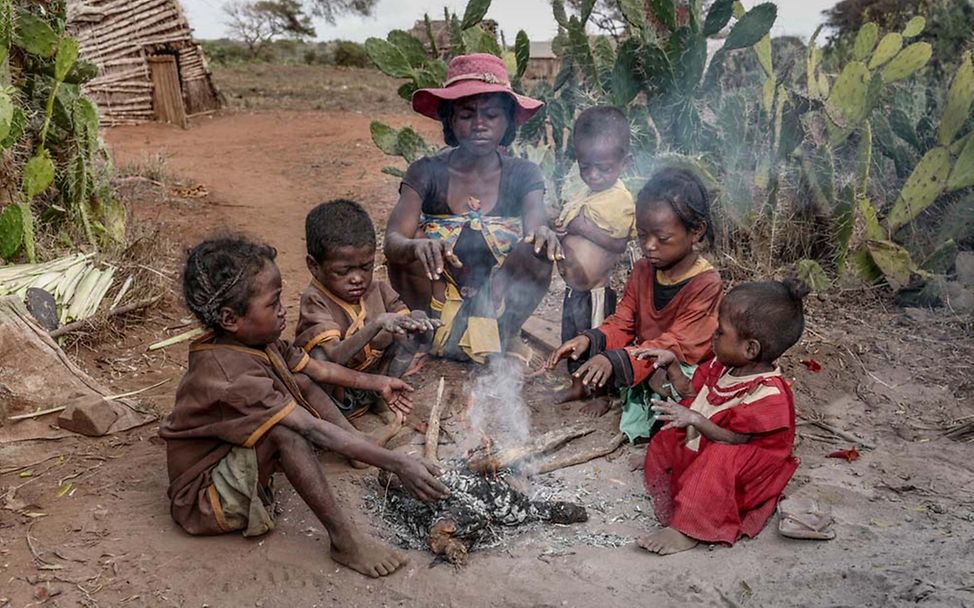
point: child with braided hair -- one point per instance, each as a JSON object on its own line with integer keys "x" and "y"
{"x": 249, "y": 406}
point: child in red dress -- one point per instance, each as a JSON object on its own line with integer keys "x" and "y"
{"x": 718, "y": 468}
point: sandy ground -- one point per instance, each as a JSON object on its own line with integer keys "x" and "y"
{"x": 904, "y": 511}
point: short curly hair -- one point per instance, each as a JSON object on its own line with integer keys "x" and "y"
{"x": 770, "y": 312}
{"x": 219, "y": 273}
{"x": 337, "y": 223}
{"x": 447, "y": 108}
{"x": 607, "y": 123}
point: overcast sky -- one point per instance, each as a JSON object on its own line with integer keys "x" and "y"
{"x": 795, "y": 17}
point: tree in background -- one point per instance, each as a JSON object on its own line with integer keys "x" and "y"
{"x": 257, "y": 23}
{"x": 330, "y": 9}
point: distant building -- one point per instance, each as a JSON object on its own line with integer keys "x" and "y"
{"x": 543, "y": 64}
{"x": 149, "y": 65}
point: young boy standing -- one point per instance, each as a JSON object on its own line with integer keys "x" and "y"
{"x": 348, "y": 318}
{"x": 594, "y": 227}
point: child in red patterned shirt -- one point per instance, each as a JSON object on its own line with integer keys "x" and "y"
{"x": 718, "y": 468}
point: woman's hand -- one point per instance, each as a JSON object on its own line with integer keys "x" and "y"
{"x": 595, "y": 372}
{"x": 544, "y": 238}
{"x": 432, "y": 255}
{"x": 573, "y": 348}
{"x": 675, "y": 415}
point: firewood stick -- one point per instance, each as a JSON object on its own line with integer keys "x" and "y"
{"x": 840, "y": 433}
{"x": 485, "y": 463}
{"x": 580, "y": 457}
{"x": 433, "y": 426}
{"x": 120, "y": 310}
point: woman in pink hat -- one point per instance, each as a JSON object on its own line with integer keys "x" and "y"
{"x": 468, "y": 239}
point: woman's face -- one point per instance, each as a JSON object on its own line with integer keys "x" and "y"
{"x": 479, "y": 123}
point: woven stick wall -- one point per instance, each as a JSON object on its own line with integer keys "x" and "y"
{"x": 118, "y": 36}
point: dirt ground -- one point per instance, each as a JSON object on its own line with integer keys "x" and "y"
{"x": 904, "y": 511}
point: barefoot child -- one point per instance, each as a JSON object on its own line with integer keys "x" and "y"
{"x": 348, "y": 318}
{"x": 718, "y": 468}
{"x": 594, "y": 228}
{"x": 670, "y": 301}
{"x": 240, "y": 414}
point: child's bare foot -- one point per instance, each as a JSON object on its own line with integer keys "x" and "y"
{"x": 368, "y": 557}
{"x": 597, "y": 407}
{"x": 666, "y": 542}
{"x": 383, "y": 434}
{"x": 575, "y": 392}
{"x": 417, "y": 364}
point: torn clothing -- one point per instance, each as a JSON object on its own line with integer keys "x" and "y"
{"x": 611, "y": 210}
{"x": 583, "y": 310}
{"x": 231, "y": 395}
{"x": 324, "y": 317}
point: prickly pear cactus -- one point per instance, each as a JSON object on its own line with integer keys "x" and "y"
{"x": 962, "y": 175}
{"x": 928, "y": 180}
{"x": 914, "y": 27}
{"x": 907, "y": 61}
{"x": 865, "y": 41}
{"x": 959, "y": 98}
{"x": 11, "y": 231}
{"x": 846, "y": 104}
{"x": 888, "y": 47}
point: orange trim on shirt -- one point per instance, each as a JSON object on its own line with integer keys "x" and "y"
{"x": 269, "y": 424}
{"x": 303, "y": 363}
{"x": 325, "y": 336}
{"x": 221, "y": 519}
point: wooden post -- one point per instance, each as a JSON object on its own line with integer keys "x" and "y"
{"x": 167, "y": 94}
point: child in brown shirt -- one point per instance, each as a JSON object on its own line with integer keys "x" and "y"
{"x": 249, "y": 406}
{"x": 346, "y": 316}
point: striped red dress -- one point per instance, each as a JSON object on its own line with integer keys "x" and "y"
{"x": 718, "y": 492}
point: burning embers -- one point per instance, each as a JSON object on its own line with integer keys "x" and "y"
{"x": 493, "y": 440}
{"x": 477, "y": 504}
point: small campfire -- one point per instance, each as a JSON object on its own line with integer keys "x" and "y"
{"x": 483, "y": 493}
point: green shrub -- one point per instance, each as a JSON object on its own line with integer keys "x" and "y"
{"x": 350, "y": 54}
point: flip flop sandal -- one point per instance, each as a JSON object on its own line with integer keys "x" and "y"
{"x": 805, "y": 519}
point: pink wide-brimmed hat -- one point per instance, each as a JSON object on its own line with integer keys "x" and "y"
{"x": 474, "y": 74}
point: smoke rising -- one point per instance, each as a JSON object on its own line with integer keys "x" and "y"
{"x": 497, "y": 407}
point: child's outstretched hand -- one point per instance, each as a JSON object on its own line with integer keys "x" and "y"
{"x": 595, "y": 372}
{"x": 425, "y": 323}
{"x": 395, "y": 393}
{"x": 398, "y": 324}
{"x": 662, "y": 357}
{"x": 675, "y": 415}
{"x": 419, "y": 477}
{"x": 573, "y": 348}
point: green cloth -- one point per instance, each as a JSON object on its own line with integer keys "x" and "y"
{"x": 637, "y": 417}
{"x": 241, "y": 497}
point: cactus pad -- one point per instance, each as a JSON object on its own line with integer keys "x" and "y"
{"x": 907, "y": 61}
{"x": 814, "y": 276}
{"x": 959, "y": 98}
{"x": 865, "y": 41}
{"x": 893, "y": 260}
{"x": 38, "y": 174}
{"x": 963, "y": 174}
{"x": 34, "y": 35}
{"x": 751, "y": 27}
{"x": 914, "y": 27}
{"x": 388, "y": 58}
{"x": 6, "y": 114}
{"x": 384, "y": 137}
{"x": 846, "y": 104}
{"x": 888, "y": 47}
{"x": 11, "y": 231}
{"x": 922, "y": 188}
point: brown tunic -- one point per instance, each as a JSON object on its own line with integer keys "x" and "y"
{"x": 325, "y": 317}
{"x": 230, "y": 396}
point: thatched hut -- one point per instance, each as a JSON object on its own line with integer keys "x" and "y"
{"x": 149, "y": 66}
